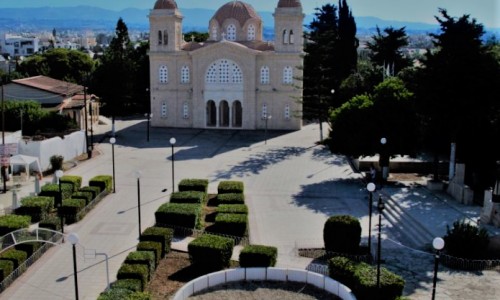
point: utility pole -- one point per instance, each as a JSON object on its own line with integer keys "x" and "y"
{"x": 89, "y": 151}
{"x": 3, "y": 168}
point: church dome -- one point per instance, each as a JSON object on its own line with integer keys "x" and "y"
{"x": 238, "y": 10}
{"x": 165, "y": 4}
{"x": 289, "y": 3}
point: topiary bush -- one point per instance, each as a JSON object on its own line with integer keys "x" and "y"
{"x": 154, "y": 247}
{"x": 75, "y": 181}
{"x": 188, "y": 197}
{"x": 95, "y": 190}
{"x": 465, "y": 240}
{"x": 179, "y": 214}
{"x": 85, "y": 195}
{"x": 256, "y": 256}
{"x": 29, "y": 248}
{"x": 135, "y": 271}
{"x": 51, "y": 222}
{"x": 232, "y": 209}
{"x": 230, "y": 199}
{"x": 52, "y": 190}
{"x": 37, "y": 207}
{"x": 134, "y": 285}
{"x": 231, "y": 224}
{"x": 199, "y": 185}
{"x": 115, "y": 294}
{"x": 70, "y": 209}
{"x": 17, "y": 257}
{"x": 9, "y": 223}
{"x": 56, "y": 162}
{"x": 6, "y": 267}
{"x": 211, "y": 252}
{"x": 146, "y": 258}
{"x": 230, "y": 187}
{"x": 342, "y": 234}
{"x": 104, "y": 182}
{"x": 159, "y": 234}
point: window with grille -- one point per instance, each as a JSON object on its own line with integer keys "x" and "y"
{"x": 287, "y": 112}
{"x": 214, "y": 32}
{"x": 163, "y": 74}
{"x": 288, "y": 75}
{"x": 185, "y": 111}
{"x": 164, "y": 109}
{"x": 264, "y": 111}
{"x": 264, "y": 75}
{"x": 251, "y": 32}
{"x": 224, "y": 71}
{"x": 185, "y": 78}
{"x": 231, "y": 32}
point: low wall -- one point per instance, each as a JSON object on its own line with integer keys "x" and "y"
{"x": 264, "y": 274}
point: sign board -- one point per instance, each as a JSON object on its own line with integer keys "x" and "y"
{"x": 9, "y": 149}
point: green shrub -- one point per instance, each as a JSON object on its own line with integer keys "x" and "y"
{"x": 188, "y": 197}
{"x": 56, "y": 161}
{"x": 155, "y": 247}
{"x": 199, "y": 185}
{"x": 85, "y": 195}
{"x": 6, "y": 267}
{"x": 115, "y": 294}
{"x": 29, "y": 248}
{"x": 9, "y": 223}
{"x": 52, "y": 190}
{"x": 37, "y": 208}
{"x": 104, "y": 182}
{"x": 211, "y": 252}
{"x": 129, "y": 284}
{"x": 342, "y": 234}
{"x": 95, "y": 190}
{"x": 140, "y": 296}
{"x": 70, "y": 209}
{"x": 232, "y": 209}
{"x": 51, "y": 222}
{"x": 146, "y": 258}
{"x": 179, "y": 214}
{"x": 465, "y": 240}
{"x": 159, "y": 234}
{"x": 135, "y": 271}
{"x": 230, "y": 187}
{"x": 230, "y": 199}
{"x": 75, "y": 181}
{"x": 253, "y": 256}
{"x": 17, "y": 257}
{"x": 231, "y": 224}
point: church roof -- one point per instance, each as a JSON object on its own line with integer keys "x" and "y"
{"x": 289, "y": 3}
{"x": 165, "y": 4}
{"x": 238, "y": 10}
{"x": 254, "y": 45}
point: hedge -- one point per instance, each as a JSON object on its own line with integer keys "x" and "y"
{"x": 362, "y": 279}
{"x": 52, "y": 190}
{"x": 135, "y": 271}
{"x": 342, "y": 234}
{"x": 38, "y": 207}
{"x": 155, "y": 247}
{"x": 158, "y": 234}
{"x": 75, "y": 181}
{"x": 211, "y": 252}
{"x": 17, "y": 257}
{"x": 230, "y": 187}
{"x": 230, "y": 199}
{"x": 9, "y": 223}
{"x": 129, "y": 284}
{"x": 232, "y": 209}
{"x": 188, "y": 197}
{"x": 6, "y": 267}
{"x": 51, "y": 222}
{"x": 179, "y": 214}
{"x": 88, "y": 196}
{"x": 231, "y": 224}
{"x": 95, "y": 190}
{"x": 104, "y": 182}
{"x": 29, "y": 248}
{"x": 70, "y": 209}
{"x": 146, "y": 258}
{"x": 199, "y": 185}
{"x": 254, "y": 256}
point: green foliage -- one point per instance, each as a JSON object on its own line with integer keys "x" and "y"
{"x": 230, "y": 187}
{"x": 465, "y": 240}
{"x": 70, "y": 209}
{"x": 179, "y": 214}
{"x": 85, "y": 195}
{"x": 51, "y": 222}
{"x": 231, "y": 198}
{"x": 6, "y": 267}
{"x": 31, "y": 112}
{"x": 104, "y": 182}
{"x": 56, "y": 161}
{"x": 159, "y": 234}
{"x": 115, "y": 294}
{"x": 146, "y": 258}
{"x": 29, "y": 248}
{"x": 135, "y": 271}
{"x": 386, "y": 49}
{"x": 17, "y": 257}
{"x": 76, "y": 181}
{"x": 232, "y": 209}
{"x": 254, "y": 256}
{"x": 200, "y": 185}
{"x": 211, "y": 252}
{"x": 197, "y": 36}
{"x": 95, "y": 190}
{"x": 188, "y": 197}
{"x": 9, "y": 223}
{"x": 37, "y": 207}
{"x": 154, "y": 247}
{"x": 231, "y": 224}
{"x": 342, "y": 234}
{"x": 129, "y": 284}
{"x": 52, "y": 190}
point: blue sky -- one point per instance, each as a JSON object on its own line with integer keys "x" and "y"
{"x": 486, "y": 12}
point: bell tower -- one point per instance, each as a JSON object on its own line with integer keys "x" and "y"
{"x": 165, "y": 27}
{"x": 288, "y": 26}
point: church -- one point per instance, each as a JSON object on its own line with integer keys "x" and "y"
{"x": 235, "y": 79}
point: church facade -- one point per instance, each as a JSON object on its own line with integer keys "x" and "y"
{"x": 235, "y": 79}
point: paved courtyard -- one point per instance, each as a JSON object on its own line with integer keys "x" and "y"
{"x": 292, "y": 186}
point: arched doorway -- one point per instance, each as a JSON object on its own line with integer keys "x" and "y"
{"x": 211, "y": 114}
{"x": 224, "y": 114}
{"x": 237, "y": 114}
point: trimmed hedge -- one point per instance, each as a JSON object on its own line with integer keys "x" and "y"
{"x": 104, "y": 182}
{"x": 51, "y": 222}
{"x": 29, "y": 248}
{"x": 9, "y": 223}
{"x": 199, "y": 185}
{"x": 230, "y": 187}
{"x": 123, "y": 294}
{"x": 37, "y": 207}
{"x": 75, "y": 181}
{"x": 6, "y": 267}
{"x": 70, "y": 209}
{"x": 88, "y": 196}
{"x": 158, "y": 234}
{"x": 135, "y": 271}
{"x": 230, "y": 199}
{"x": 179, "y": 214}
{"x": 255, "y": 256}
{"x": 232, "y": 209}
{"x": 95, "y": 190}
{"x": 362, "y": 279}
{"x": 17, "y": 257}
{"x": 52, "y": 190}
{"x": 188, "y": 197}
{"x": 342, "y": 234}
{"x": 129, "y": 284}
{"x": 231, "y": 224}
{"x": 155, "y": 247}
{"x": 146, "y": 258}
{"x": 211, "y": 252}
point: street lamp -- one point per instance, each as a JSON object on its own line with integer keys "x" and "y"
{"x": 138, "y": 175}
{"x": 73, "y": 239}
{"x": 172, "y": 143}
{"x": 267, "y": 118}
{"x": 92, "y": 101}
{"x": 113, "y": 141}
{"x": 380, "y": 207}
{"x": 438, "y": 244}
{"x": 59, "y": 174}
{"x": 89, "y": 153}
{"x": 371, "y": 188}
{"x": 384, "y": 159}
{"x": 148, "y": 116}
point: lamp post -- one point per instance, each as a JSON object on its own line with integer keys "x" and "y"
{"x": 73, "y": 239}
{"x": 148, "y": 117}
{"x": 438, "y": 244}
{"x": 138, "y": 175}
{"x": 92, "y": 125}
{"x": 113, "y": 141}
{"x": 89, "y": 153}
{"x": 59, "y": 174}
{"x": 380, "y": 207}
{"x": 384, "y": 160}
{"x": 371, "y": 188}
{"x": 148, "y": 114}
{"x": 267, "y": 118}
{"x": 172, "y": 143}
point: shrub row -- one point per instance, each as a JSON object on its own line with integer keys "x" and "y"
{"x": 197, "y": 185}
{"x": 230, "y": 224}
{"x": 230, "y": 198}
{"x": 258, "y": 256}
{"x": 180, "y": 214}
{"x": 232, "y": 209}
{"x": 230, "y": 187}
{"x": 211, "y": 252}
{"x": 188, "y": 197}
{"x": 37, "y": 207}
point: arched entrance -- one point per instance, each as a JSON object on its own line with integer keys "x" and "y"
{"x": 224, "y": 114}
{"x": 211, "y": 114}
{"x": 237, "y": 114}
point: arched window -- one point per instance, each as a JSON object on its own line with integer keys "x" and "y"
{"x": 214, "y": 33}
{"x": 237, "y": 75}
{"x": 288, "y": 75}
{"x": 165, "y": 37}
{"x": 185, "y": 111}
{"x": 285, "y": 36}
{"x": 264, "y": 75}
{"x": 264, "y": 111}
{"x": 164, "y": 109}
{"x": 287, "y": 112}
{"x": 185, "y": 76}
{"x": 163, "y": 74}
{"x": 292, "y": 37}
{"x": 160, "y": 37}
{"x": 231, "y": 32}
{"x": 251, "y": 32}
{"x": 224, "y": 71}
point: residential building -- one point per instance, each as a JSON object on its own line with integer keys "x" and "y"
{"x": 16, "y": 45}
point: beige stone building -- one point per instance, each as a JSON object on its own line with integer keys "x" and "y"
{"x": 234, "y": 80}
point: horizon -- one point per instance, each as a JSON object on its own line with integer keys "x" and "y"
{"x": 422, "y": 11}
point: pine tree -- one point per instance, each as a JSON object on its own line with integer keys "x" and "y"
{"x": 386, "y": 49}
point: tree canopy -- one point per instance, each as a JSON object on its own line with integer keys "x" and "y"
{"x": 386, "y": 49}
